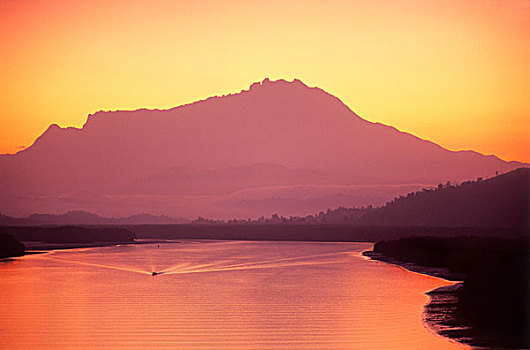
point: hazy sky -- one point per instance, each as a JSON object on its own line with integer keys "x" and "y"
{"x": 454, "y": 72}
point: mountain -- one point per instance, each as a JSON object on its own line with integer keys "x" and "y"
{"x": 502, "y": 201}
{"x": 195, "y": 159}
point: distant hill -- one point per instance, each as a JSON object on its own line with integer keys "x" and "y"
{"x": 277, "y": 147}
{"x": 78, "y": 217}
{"x": 501, "y": 201}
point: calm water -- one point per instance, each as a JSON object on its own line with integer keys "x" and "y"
{"x": 214, "y": 295}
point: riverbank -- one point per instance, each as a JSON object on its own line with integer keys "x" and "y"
{"x": 35, "y": 239}
{"x": 32, "y": 247}
{"x": 440, "y": 272}
{"x": 10, "y": 247}
{"x": 440, "y": 311}
{"x": 490, "y": 308}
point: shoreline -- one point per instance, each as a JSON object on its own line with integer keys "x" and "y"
{"x": 38, "y": 247}
{"x": 439, "y": 312}
{"x": 439, "y": 272}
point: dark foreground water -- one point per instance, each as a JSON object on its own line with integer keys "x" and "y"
{"x": 214, "y": 295}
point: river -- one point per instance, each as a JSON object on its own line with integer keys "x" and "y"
{"x": 214, "y": 295}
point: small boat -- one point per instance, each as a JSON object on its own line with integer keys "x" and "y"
{"x": 155, "y": 273}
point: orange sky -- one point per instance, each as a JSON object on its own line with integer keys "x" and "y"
{"x": 454, "y": 72}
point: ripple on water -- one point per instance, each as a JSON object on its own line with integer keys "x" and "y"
{"x": 215, "y": 295}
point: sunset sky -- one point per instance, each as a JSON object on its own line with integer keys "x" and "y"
{"x": 454, "y": 72}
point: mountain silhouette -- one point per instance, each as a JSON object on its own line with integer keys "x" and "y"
{"x": 138, "y": 161}
{"x": 79, "y": 217}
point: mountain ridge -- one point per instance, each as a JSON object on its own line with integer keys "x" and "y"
{"x": 284, "y": 123}
{"x": 54, "y": 127}
{"x": 81, "y": 217}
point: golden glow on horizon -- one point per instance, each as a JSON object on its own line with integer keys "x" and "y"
{"x": 453, "y": 72}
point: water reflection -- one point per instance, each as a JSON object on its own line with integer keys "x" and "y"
{"x": 214, "y": 295}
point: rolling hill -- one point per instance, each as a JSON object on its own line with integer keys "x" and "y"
{"x": 502, "y": 201}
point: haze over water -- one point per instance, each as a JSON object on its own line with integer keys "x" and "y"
{"x": 214, "y": 295}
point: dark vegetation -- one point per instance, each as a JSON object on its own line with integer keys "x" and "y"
{"x": 10, "y": 247}
{"x": 501, "y": 201}
{"x": 339, "y": 216}
{"x": 70, "y": 234}
{"x": 494, "y": 298}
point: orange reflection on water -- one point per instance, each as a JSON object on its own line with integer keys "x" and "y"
{"x": 215, "y": 295}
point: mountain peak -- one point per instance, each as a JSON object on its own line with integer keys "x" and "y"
{"x": 52, "y": 130}
{"x": 285, "y": 123}
{"x": 267, "y": 99}
{"x": 270, "y": 88}
{"x": 277, "y": 83}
